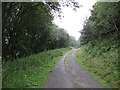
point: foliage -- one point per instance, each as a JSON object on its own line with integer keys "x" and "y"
{"x": 102, "y": 24}
{"x": 28, "y": 29}
{"x": 24, "y": 24}
{"x": 31, "y": 71}
{"x": 101, "y": 65}
{"x": 100, "y": 44}
{"x": 59, "y": 38}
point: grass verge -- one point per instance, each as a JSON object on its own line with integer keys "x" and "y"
{"x": 102, "y": 66}
{"x": 31, "y": 71}
{"x": 67, "y": 56}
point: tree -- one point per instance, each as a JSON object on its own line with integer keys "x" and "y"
{"x": 28, "y": 28}
{"x": 102, "y": 24}
{"x": 25, "y": 28}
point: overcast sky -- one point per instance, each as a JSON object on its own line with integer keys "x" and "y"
{"x": 73, "y": 21}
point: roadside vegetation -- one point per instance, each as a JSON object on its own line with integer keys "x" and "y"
{"x": 31, "y": 42}
{"x": 31, "y": 71}
{"x": 28, "y": 28}
{"x": 98, "y": 53}
{"x": 102, "y": 66}
{"x": 68, "y": 56}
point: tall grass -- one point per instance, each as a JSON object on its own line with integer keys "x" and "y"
{"x": 31, "y": 71}
{"x": 100, "y": 62}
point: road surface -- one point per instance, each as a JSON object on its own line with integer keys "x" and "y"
{"x": 68, "y": 74}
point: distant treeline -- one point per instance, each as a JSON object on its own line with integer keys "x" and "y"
{"x": 28, "y": 29}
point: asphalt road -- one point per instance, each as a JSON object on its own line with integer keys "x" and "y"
{"x": 68, "y": 74}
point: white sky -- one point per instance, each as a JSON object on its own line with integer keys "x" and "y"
{"x": 73, "y": 21}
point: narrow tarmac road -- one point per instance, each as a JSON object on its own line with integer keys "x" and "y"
{"x": 68, "y": 74}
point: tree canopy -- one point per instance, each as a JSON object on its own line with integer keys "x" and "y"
{"x": 28, "y": 29}
{"x": 102, "y": 24}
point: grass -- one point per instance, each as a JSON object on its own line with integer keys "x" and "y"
{"x": 31, "y": 71}
{"x": 67, "y": 56}
{"x": 102, "y": 65}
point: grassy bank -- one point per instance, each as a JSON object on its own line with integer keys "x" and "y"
{"x": 100, "y": 62}
{"x": 31, "y": 71}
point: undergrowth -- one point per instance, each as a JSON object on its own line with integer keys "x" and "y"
{"x": 31, "y": 71}
{"x": 101, "y": 61}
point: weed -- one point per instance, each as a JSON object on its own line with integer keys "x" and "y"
{"x": 31, "y": 71}
{"x": 100, "y": 63}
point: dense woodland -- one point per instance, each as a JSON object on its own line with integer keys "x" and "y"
{"x": 103, "y": 24}
{"x": 28, "y": 29}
